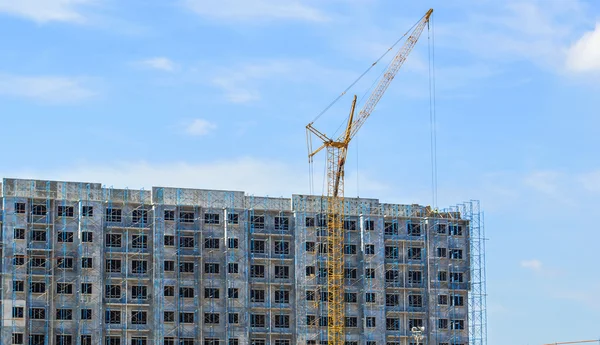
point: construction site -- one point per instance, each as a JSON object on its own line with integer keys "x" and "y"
{"x": 86, "y": 264}
{"x": 154, "y": 185}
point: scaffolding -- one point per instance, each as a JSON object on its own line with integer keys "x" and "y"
{"x": 90, "y": 237}
{"x": 158, "y": 253}
{"x": 235, "y": 311}
{"x": 477, "y": 279}
{"x": 84, "y": 264}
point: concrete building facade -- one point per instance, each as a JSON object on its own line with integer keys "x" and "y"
{"x": 87, "y": 265}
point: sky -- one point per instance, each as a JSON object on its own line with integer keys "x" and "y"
{"x": 217, "y": 94}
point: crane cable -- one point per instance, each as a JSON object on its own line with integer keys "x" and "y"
{"x": 369, "y": 89}
{"x": 432, "y": 114}
{"x": 367, "y": 71}
{"x": 308, "y": 139}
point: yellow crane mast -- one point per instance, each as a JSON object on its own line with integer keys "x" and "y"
{"x": 336, "y": 159}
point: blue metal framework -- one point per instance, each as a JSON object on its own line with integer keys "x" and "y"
{"x": 230, "y": 306}
{"x": 61, "y": 301}
{"x": 14, "y": 275}
{"x": 367, "y": 236}
{"x": 208, "y": 231}
{"x": 84, "y": 196}
{"x": 250, "y": 257}
{"x": 478, "y": 291}
{"x": 140, "y": 252}
{"x": 158, "y": 283}
{"x": 438, "y": 263}
{"x": 471, "y": 215}
{"x": 125, "y": 258}
{"x": 395, "y": 264}
{"x": 48, "y": 257}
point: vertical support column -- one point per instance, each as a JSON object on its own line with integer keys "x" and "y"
{"x": 95, "y": 229}
{"x": 178, "y": 255}
{"x": 199, "y": 274}
{"x": 158, "y": 233}
{"x": 434, "y": 265}
{"x": 250, "y": 258}
{"x": 64, "y": 252}
{"x": 249, "y": 230}
{"x": 14, "y": 277}
{"x": 229, "y": 259}
{"x": 125, "y": 316}
{"x": 477, "y": 278}
{"x": 235, "y": 235}
{"x": 302, "y": 281}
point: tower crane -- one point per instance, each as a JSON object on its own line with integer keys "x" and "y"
{"x": 336, "y": 159}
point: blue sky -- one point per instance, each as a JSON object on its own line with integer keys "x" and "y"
{"x": 216, "y": 94}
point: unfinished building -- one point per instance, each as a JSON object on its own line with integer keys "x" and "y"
{"x": 84, "y": 264}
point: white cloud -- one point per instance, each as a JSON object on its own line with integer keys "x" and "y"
{"x": 159, "y": 63}
{"x": 235, "y": 93}
{"x": 50, "y": 89}
{"x": 546, "y": 182}
{"x": 585, "y": 293}
{"x": 43, "y": 11}
{"x": 534, "y": 265}
{"x": 254, "y": 176}
{"x": 498, "y": 32}
{"x": 255, "y": 10}
{"x": 487, "y": 35}
{"x": 584, "y": 55}
{"x": 200, "y": 127}
{"x": 249, "y": 174}
{"x": 242, "y": 83}
{"x": 540, "y": 192}
{"x": 590, "y": 181}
